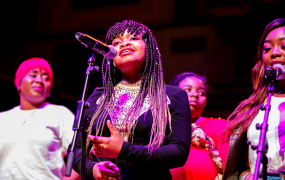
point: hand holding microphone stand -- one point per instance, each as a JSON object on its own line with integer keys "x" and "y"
{"x": 271, "y": 74}
{"x": 80, "y": 124}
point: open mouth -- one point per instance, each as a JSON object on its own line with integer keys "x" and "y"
{"x": 277, "y": 62}
{"x": 126, "y": 51}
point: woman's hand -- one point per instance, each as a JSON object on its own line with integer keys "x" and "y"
{"x": 251, "y": 178}
{"x": 109, "y": 147}
{"x": 247, "y": 175}
{"x": 106, "y": 170}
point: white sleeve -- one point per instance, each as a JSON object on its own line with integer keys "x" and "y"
{"x": 66, "y": 125}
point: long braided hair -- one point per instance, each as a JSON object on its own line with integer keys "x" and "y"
{"x": 243, "y": 115}
{"x": 152, "y": 85}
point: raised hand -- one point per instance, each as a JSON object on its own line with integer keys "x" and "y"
{"x": 109, "y": 147}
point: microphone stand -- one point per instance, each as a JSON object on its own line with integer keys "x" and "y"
{"x": 262, "y": 146}
{"x": 80, "y": 124}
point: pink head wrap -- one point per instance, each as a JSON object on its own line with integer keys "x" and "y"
{"x": 29, "y": 65}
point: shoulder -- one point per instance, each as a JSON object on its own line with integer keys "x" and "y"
{"x": 96, "y": 94}
{"x": 213, "y": 126}
{"x": 55, "y": 107}
{"x": 56, "y": 110}
{"x": 213, "y": 122}
{"x": 178, "y": 98}
{"x": 98, "y": 91}
{"x": 174, "y": 90}
{"x": 10, "y": 111}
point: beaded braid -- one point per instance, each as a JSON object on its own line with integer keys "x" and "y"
{"x": 152, "y": 85}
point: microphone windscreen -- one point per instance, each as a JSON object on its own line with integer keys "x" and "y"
{"x": 112, "y": 52}
{"x": 280, "y": 71}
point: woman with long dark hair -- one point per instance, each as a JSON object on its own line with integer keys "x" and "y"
{"x": 241, "y": 159}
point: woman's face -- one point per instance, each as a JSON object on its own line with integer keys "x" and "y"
{"x": 196, "y": 92}
{"x": 130, "y": 54}
{"x": 274, "y": 48}
{"x": 35, "y": 86}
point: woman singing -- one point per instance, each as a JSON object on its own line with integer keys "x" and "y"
{"x": 139, "y": 127}
{"x": 242, "y": 158}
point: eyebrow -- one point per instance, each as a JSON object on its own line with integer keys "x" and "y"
{"x": 33, "y": 71}
{"x": 192, "y": 86}
{"x": 128, "y": 35}
{"x": 280, "y": 39}
{"x": 121, "y": 35}
{"x": 36, "y": 71}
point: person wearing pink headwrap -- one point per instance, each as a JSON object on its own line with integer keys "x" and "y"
{"x": 34, "y": 135}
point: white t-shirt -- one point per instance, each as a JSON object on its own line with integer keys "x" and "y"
{"x": 32, "y": 142}
{"x": 275, "y": 137}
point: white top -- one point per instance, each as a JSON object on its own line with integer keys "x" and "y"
{"x": 33, "y": 142}
{"x": 275, "y": 137}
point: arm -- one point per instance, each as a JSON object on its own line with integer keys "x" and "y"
{"x": 66, "y": 137}
{"x": 74, "y": 176}
{"x": 237, "y": 160}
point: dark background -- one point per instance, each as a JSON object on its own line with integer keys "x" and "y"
{"x": 216, "y": 38}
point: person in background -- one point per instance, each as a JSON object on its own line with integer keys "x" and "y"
{"x": 242, "y": 158}
{"x": 139, "y": 127}
{"x": 207, "y": 156}
{"x": 34, "y": 135}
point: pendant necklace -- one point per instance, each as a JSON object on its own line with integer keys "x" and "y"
{"x": 29, "y": 117}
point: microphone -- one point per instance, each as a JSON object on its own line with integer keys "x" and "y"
{"x": 95, "y": 45}
{"x": 277, "y": 71}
